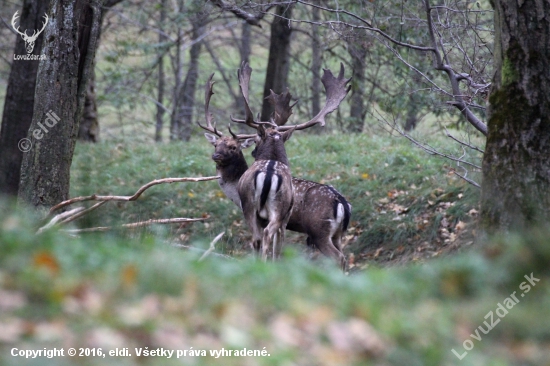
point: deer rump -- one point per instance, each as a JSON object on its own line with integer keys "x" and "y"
{"x": 269, "y": 183}
{"x": 319, "y": 211}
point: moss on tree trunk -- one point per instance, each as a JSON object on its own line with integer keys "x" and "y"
{"x": 516, "y": 164}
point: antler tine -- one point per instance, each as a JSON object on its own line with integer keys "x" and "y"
{"x": 282, "y": 106}
{"x": 243, "y": 73}
{"x": 208, "y": 92}
{"x": 336, "y": 91}
{"x": 13, "y": 19}
{"x": 237, "y": 136}
{"x": 44, "y": 23}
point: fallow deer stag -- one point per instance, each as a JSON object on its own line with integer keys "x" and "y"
{"x": 319, "y": 210}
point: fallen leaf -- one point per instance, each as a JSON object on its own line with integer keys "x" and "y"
{"x": 460, "y": 226}
{"x": 46, "y": 260}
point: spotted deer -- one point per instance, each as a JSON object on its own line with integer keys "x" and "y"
{"x": 319, "y": 210}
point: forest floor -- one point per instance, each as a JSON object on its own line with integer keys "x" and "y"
{"x": 417, "y": 290}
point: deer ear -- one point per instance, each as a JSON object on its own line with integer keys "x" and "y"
{"x": 261, "y": 131}
{"x": 211, "y": 138}
{"x": 287, "y": 134}
{"x": 247, "y": 143}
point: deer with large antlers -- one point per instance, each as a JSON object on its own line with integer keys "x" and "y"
{"x": 319, "y": 210}
{"x": 29, "y": 40}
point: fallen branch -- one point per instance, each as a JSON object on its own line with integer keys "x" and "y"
{"x": 134, "y": 197}
{"x": 212, "y": 246}
{"x": 189, "y": 247}
{"x": 58, "y": 218}
{"x": 133, "y": 225}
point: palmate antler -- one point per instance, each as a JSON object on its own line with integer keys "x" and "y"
{"x": 336, "y": 90}
{"x": 282, "y": 106}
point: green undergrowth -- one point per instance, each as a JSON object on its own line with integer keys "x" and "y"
{"x": 111, "y": 292}
{"x": 393, "y": 187}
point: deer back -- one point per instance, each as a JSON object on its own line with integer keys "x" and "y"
{"x": 318, "y": 208}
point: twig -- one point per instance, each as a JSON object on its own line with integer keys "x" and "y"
{"x": 472, "y": 182}
{"x": 134, "y": 224}
{"x": 134, "y": 197}
{"x": 432, "y": 151}
{"x": 82, "y": 213}
{"x": 189, "y": 247}
{"x": 212, "y": 247}
{"x": 58, "y": 218}
{"x": 464, "y": 143}
{"x": 252, "y": 19}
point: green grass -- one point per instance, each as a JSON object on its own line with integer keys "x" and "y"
{"x": 364, "y": 169}
{"x": 127, "y": 289}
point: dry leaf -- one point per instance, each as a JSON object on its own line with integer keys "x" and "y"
{"x": 46, "y": 260}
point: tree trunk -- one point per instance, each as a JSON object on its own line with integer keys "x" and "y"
{"x": 89, "y": 125}
{"x": 19, "y": 101}
{"x": 278, "y": 64}
{"x": 174, "y": 121}
{"x": 316, "y": 63}
{"x": 184, "y": 112}
{"x": 69, "y": 45}
{"x": 516, "y": 165}
{"x": 358, "y": 53}
{"x": 244, "y": 48}
{"x": 160, "y": 88}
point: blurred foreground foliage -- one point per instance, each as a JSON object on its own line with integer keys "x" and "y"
{"x": 136, "y": 289}
{"x": 111, "y": 292}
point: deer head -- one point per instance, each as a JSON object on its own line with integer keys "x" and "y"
{"x": 29, "y": 40}
{"x": 227, "y": 149}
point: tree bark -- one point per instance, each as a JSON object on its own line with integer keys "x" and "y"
{"x": 89, "y": 125}
{"x": 184, "y": 112}
{"x": 178, "y": 71}
{"x": 516, "y": 165}
{"x": 69, "y": 45}
{"x": 19, "y": 101}
{"x": 316, "y": 62}
{"x": 278, "y": 64}
{"x": 358, "y": 53}
{"x": 160, "y": 85}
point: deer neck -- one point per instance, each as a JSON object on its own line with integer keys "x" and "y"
{"x": 230, "y": 173}
{"x": 276, "y": 153}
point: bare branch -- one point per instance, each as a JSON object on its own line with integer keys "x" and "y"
{"x": 212, "y": 246}
{"x": 189, "y": 247}
{"x": 81, "y": 213}
{"x": 252, "y": 19}
{"x": 134, "y": 197}
{"x": 177, "y": 220}
{"x": 368, "y": 26}
{"x": 464, "y": 143}
{"x": 432, "y": 151}
{"x": 58, "y": 218}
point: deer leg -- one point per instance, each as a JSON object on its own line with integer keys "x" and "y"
{"x": 254, "y": 226}
{"x": 337, "y": 241}
{"x": 270, "y": 238}
{"x": 326, "y": 247}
